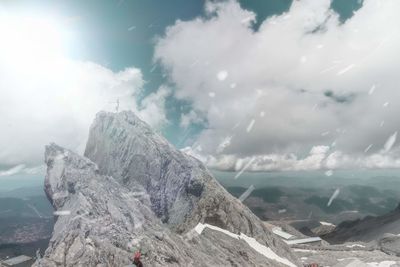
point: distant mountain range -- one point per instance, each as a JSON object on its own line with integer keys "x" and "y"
{"x": 26, "y": 221}
{"x": 296, "y": 203}
{"x": 370, "y": 228}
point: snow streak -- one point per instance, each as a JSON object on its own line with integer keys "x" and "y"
{"x": 246, "y": 193}
{"x": 334, "y": 195}
{"x": 390, "y": 142}
{"x": 244, "y": 168}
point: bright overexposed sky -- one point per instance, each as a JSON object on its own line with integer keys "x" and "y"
{"x": 48, "y": 97}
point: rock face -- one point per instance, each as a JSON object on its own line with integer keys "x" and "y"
{"x": 380, "y": 231}
{"x": 368, "y": 229}
{"x": 390, "y": 244}
{"x": 134, "y": 191}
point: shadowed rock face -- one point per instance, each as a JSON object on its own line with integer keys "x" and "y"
{"x": 126, "y": 148}
{"x": 181, "y": 190}
{"x": 381, "y": 231}
{"x": 132, "y": 191}
{"x": 368, "y": 229}
{"x": 100, "y": 218}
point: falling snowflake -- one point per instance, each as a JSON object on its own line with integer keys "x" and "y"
{"x": 372, "y": 90}
{"x": 236, "y": 125}
{"x": 246, "y": 193}
{"x": 386, "y": 104}
{"x": 233, "y": 85}
{"x": 327, "y": 69}
{"x": 153, "y": 68}
{"x": 250, "y": 126}
{"x": 222, "y": 75}
{"x": 244, "y": 168}
{"x": 259, "y": 93}
{"x": 325, "y": 133}
{"x": 329, "y": 173}
{"x": 334, "y": 195}
{"x": 131, "y": 28}
{"x": 262, "y": 114}
{"x": 390, "y": 142}
{"x": 194, "y": 63}
{"x": 211, "y": 94}
{"x": 62, "y": 213}
{"x": 382, "y": 123}
{"x": 225, "y": 143}
{"x": 343, "y": 71}
{"x": 246, "y": 20}
{"x": 368, "y": 148}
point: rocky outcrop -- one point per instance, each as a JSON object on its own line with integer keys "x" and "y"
{"x": 134, "y": 191}
{"x": 390, "y": 244}
{"x": 370, "y": 228}
{"x": 181, "y": 191}
{"x": 381, "y": 232}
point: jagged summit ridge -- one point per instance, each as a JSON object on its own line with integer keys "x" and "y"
{"x": 182, "y": 191}
{"x": 125, "y": 147}
{"x": 134, "y": 190}
{"x": 103, "y": 218}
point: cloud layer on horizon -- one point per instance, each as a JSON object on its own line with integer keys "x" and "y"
{"x": 300, "y": 82}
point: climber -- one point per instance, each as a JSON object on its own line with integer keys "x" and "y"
{"x": 136, "y": 259}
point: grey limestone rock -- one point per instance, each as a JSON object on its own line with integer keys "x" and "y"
{"x": 134, "y": 191}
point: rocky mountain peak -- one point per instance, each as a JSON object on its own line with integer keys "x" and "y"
{"x": 134, "y": 191}
{"x": 126, "y": 148}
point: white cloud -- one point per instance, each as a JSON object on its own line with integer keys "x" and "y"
{"x": 190, "y": 118}
{"x": 46, "y": 97}
{"x": 152, "y": 108}
{"x": 291, "y": 162}
{"x": 309, "y": 74}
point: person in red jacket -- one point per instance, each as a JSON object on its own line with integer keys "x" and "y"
{"x": 136, "y": 259}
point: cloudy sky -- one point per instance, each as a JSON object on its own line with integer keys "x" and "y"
{"x": 255, "y": 85}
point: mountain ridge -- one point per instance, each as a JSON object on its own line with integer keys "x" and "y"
{"x": 134, "y": 191}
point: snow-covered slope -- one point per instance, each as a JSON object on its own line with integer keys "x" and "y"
{"x": 262, "y": 249}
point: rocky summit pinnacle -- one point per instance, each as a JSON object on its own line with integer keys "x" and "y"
{"x": 135, "y": 191}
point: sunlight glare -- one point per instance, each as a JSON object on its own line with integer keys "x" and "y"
{"x": 32, "y": 46}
